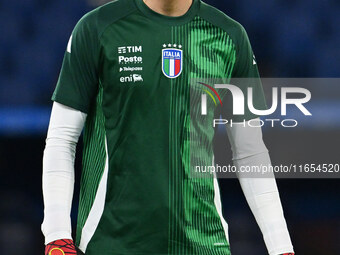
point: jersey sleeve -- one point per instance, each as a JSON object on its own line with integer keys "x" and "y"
{"x": 245, "y": 75}
{"x": 245, "y": 65}
{"x": 78, "y": 80}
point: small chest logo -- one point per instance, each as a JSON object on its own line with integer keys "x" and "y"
{"x": 172, "y": 60}
{"x": 130, "y": 60}
{"x": 131, "y": 78}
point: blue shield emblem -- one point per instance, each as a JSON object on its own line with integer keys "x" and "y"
{"x": 172, "y": 62}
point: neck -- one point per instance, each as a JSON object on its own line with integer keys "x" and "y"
{"x": 173, "y": 8}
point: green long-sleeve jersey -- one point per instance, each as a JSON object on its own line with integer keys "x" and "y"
{"x": 129, "y": 68}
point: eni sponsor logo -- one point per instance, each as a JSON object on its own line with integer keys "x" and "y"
{"x": 131, "y": 78}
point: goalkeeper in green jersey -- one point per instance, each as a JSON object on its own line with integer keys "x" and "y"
{"x": 125, "y": 79}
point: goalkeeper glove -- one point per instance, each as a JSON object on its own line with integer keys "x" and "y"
{"x": 61, "y": 247}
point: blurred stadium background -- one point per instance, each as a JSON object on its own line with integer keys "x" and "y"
{"x": 291, "y": 38}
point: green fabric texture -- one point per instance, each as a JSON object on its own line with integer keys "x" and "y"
{"x": 114, "y": 74}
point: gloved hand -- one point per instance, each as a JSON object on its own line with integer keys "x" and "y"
{"x": 61, "y": 247}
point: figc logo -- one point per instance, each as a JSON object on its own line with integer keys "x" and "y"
{"x": 172, "y": 60}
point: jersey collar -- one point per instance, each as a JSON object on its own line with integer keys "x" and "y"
{"x": 188, "y": 16}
